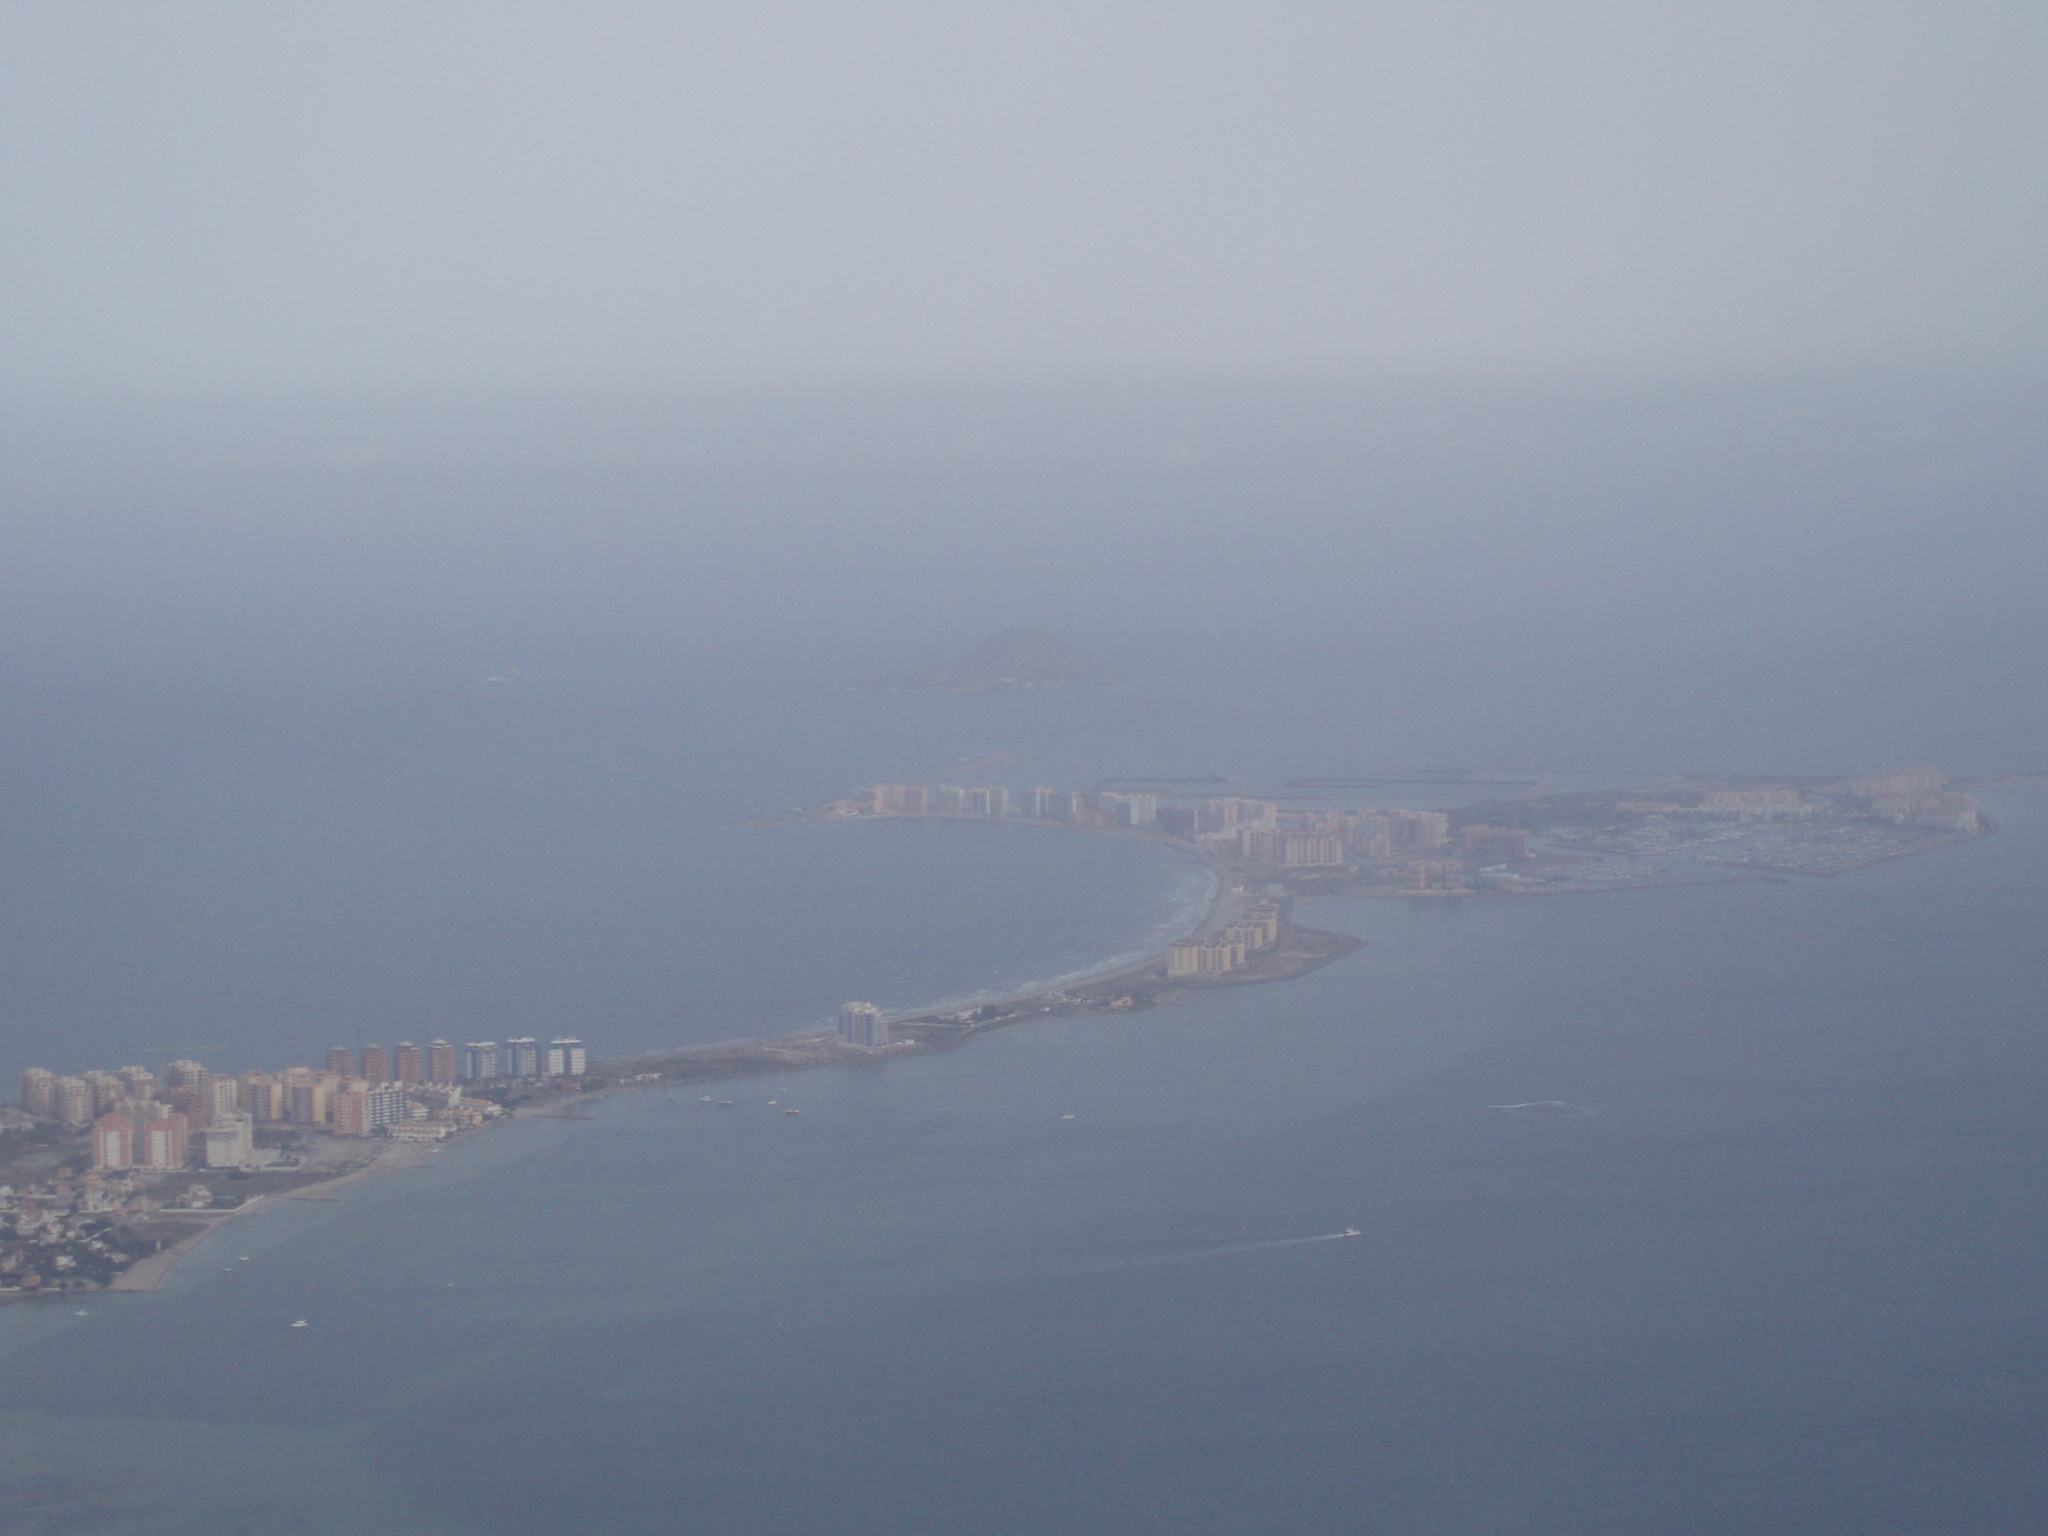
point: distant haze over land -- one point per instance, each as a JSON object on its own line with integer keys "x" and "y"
{"x": 1015, "y": 658}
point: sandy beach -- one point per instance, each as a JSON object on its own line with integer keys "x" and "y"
{"x": 147, "y": 1274}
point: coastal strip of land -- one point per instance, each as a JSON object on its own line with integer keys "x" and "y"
{"x": 1264, "y": 855}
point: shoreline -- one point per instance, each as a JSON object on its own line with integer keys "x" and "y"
{"x": 780, "y": 1053}
{"x": 150, "y": 1270}
{"x": 942, "y": 1026}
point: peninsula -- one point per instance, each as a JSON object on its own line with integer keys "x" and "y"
{"x": 98, "y": 1189}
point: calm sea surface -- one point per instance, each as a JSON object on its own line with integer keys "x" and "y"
{"x": 1774, "y": 1267}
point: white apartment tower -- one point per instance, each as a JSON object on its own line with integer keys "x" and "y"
{"x": 862, "y": 1025}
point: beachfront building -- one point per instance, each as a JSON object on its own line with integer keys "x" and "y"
{"x": 521, "y": 1058}
{"x": 113, "y": 1142}
{"x": 231, "y": 1141}
{"x": 565, "y": 1057}
{"x": 479, "y": 1060}
{"x": 1205, "y": 957}
{"x": 440, "y": 1062}
{"x": 349, "y": 1113}
{"x": 862, "y": 1025}
{"x": 376, "y": 1065}
{"x": 405, "y": 1063}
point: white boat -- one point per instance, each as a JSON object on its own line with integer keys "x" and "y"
{"x": 300, "y": 1323}
{"x": 1353, "y": 1232}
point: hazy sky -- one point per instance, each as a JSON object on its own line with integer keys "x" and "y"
{"x": 199, "y": 196}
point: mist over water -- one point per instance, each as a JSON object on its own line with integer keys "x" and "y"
{"x": 456, "y": 462}
{"x": 258, "y": 793}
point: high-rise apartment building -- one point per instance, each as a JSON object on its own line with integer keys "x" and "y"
{"x": 480, "y": 1060}
{"x": 1038, "y": 802}
{"x": 376, "y": 1065}
{"x": 348, "y": 1112}
{"x": 389, "y": 1105}
{"x": 306, "y": 1094}
{"x": 75, "y": 1108}
{"x": 341, "y": 1061}
{"x": 262, "y": 1097}
{"x": 901, "y": 800}
{"x": 192, "y": 1104}
{"x": 106, "y": 1091}
{"x": 521, "y": 1058}
{"x": 565, "y": 1057}
{"x": 406, "y": 1065}
{"x": 184, "y": 1074}
{"x": 164, "y": 1142}
{"x": 113, "y": 1143}
{"x": 223, "y": 1097}
{"x": 440, "y": 1062}
{"x": 862, "y": 1025}
{"x": 136, "y": 1082}
{"x": 1205, "y": 957}
{"x": 39, "y": 1091}
{"x": 139, "y": 1112}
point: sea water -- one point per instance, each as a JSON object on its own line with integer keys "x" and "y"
{"x": 1763, "y": 1256}
{"x": 1773, "y": 1270}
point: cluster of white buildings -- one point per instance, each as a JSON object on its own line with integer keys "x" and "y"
{"x": 523, "y": 1058}
{"x": 1068, "y": 807}
{"x": 862, "y": 1026}
{"x": 1232, "y": 826}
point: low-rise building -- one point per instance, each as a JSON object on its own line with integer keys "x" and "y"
{"x": 230, "y": 1141}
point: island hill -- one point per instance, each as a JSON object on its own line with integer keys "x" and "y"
{"x": 1015, "y": 658}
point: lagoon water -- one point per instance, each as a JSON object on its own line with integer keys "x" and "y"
{"x": 1778, "y": 1275}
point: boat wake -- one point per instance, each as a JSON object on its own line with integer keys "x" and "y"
{"x": 1556, "y": 1109}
